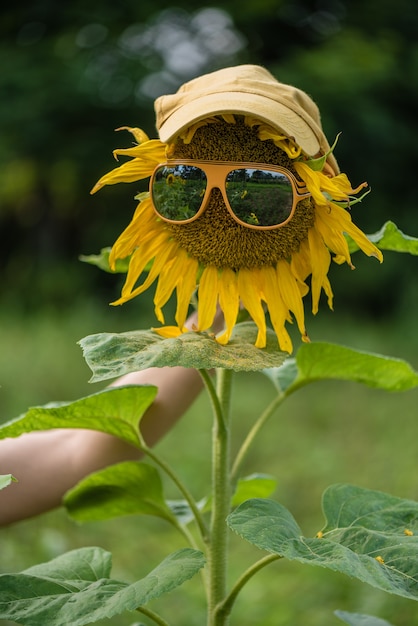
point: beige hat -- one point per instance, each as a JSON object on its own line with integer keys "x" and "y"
{"x": 247, "y": 90}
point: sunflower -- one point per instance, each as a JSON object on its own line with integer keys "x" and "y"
{"x": 229, "y": 264}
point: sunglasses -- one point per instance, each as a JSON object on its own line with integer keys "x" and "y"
{"x": 257, "y": 195}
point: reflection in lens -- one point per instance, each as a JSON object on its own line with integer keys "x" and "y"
{"x": 177, "y": 191}
{"x": 260, "y": 197}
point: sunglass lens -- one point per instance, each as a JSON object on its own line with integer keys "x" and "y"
{"x": 260, "y": 197}
{"x": 177, "y": 191}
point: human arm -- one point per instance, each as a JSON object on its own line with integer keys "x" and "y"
{"x": 48, "y": 463}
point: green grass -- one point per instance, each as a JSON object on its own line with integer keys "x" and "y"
{"x": 329, "y": 432}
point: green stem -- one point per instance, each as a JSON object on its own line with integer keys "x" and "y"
{"x": 154, "y": 616}
{"x": 257, "y": 426}
{"x": 213, "y": 396}
{"x": 182, "y": 488}
{"x": 224, "y": 609}
{"x": 221, "y": 498}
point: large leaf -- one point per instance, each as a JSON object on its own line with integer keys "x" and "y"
{"x": 129, "y": 488}
{"x": 109, "y": 355}
{"x": 389, "y": 237}
{"x": 116, "y": 411}
{"x": 356, "y": 619}
{"x": 348, "y": 505}
{"x": 369, "y": 535}
{"x": 76, "y": 589}
{"x": 320, "y": 361}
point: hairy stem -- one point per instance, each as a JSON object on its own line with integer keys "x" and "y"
{"x": 221, "y": 498}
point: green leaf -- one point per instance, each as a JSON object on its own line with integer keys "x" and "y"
{"x": 283, "y": 376}
{"x": 76, "y": 589}
{"x": 348, "y": 505}
{"x": 109, "y": 355}
{"x": 101, "y": 261}
{"x": 389, "y": 237}
{"x": 369, "y": 535}
{"x": 254, "y": 486}
{"x": 320, "y": 361}
{"x": 355, "y": 619}
{"x": 116, "y": 411}
{"x": 6, "y": 480}
{"x": 129, "y": 488}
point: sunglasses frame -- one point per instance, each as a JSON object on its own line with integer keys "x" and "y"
{"x": 216, "y": 173}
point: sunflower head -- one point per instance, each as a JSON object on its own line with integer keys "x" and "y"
{"x": 216, "y": 238}
{"x": 239, "y": 115}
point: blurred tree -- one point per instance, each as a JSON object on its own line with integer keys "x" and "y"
{"x": 72, "y": 72}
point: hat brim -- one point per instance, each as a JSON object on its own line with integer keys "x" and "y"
{"x": 278, "y": 115}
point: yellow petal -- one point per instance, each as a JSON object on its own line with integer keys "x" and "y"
{"x": 138, "y": 133}
{"x": 146, "y": 157}
{"x": 301, "y": 262}
{"x": 169, "y": 332}
{"x": 167, "y": 282}
{"x": 127, "y": 173}
{"x": 142, "y": 256}
{"x": 312, "y": 181}
{"x": 187, "y": 269}
{"x": 161, "y": 259}
{"x": 180, "y": 272}
{"x": 249, "y": 287}
{"x": 228, "y": 301}
{"x": 343, "y": 216}
{"x": 162, "y": 253}
{"x": 281, "y": 141}
{"x": 277, "y": 309}
{"x": 321, "y": 259}
{"x": 326, "y": 286}
{"x": 337, "y": 187}
{"x": 208, "y": 297}
{"x": 332, "y": 234}
{"x": 137, "y": 265}
{"x": 152, "y": 151}
{"x": 143, "y": 227}
{"x": 290, "y": 293}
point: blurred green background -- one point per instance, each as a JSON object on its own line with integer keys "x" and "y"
{"x": 73, "y": 72}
